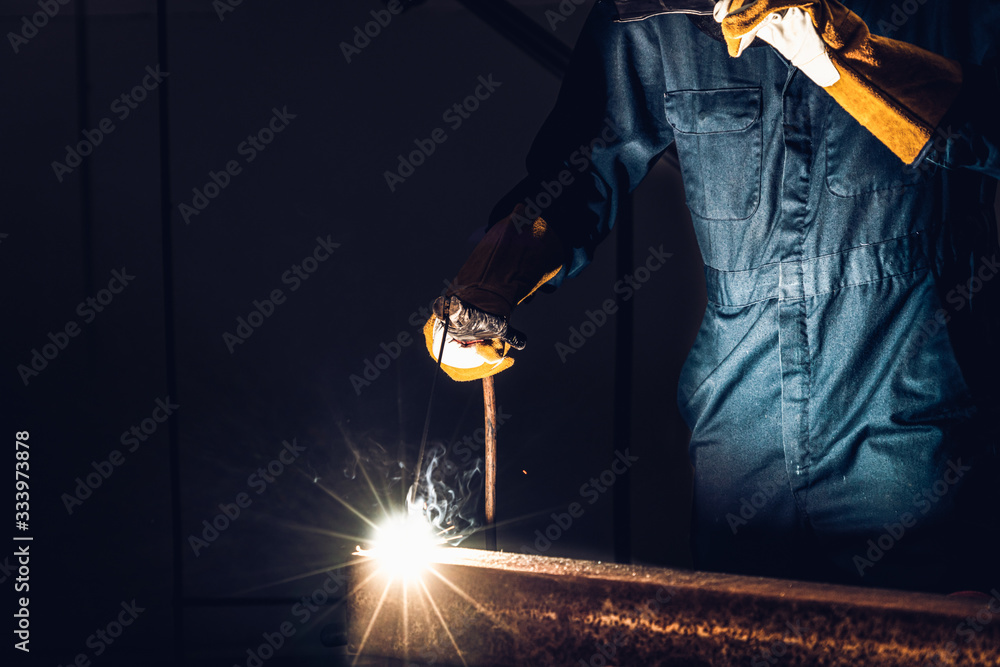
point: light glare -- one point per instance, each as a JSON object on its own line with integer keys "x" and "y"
{"x": 404, "y": 545}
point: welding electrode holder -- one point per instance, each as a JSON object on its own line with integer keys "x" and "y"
{"x": 468, "y": 324}
{"x": 514, "y": 258}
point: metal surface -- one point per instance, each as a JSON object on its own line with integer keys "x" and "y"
{"x": 490, "y": 481}
{"x": 510, "y": 609}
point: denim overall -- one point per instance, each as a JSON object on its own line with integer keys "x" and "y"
{"x": 841, "y": 393}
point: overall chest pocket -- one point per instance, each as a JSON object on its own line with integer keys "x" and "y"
{"x": 858, "y": 164}
{"x": 719, "y": 138}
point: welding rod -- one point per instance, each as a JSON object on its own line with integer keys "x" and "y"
{"x": 490, "y": 482}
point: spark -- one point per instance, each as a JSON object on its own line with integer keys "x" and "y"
{"x": 468, "y": 598}
{"x": 347, "y": 506}
{"x": 364, "y": 470}
{"x": 371, "y": 623}
{"x": 406, "y": 626}
{"x": 443, "y": 624}
{"x": 404, "y": 545}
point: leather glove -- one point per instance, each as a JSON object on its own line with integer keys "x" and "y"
{"x": 467, "y": 324}
{"x": 466, "y": 360}
{"x": 794, "y": 36}
{"x": 514, "y": 258}
{"x": 898, "y": 91}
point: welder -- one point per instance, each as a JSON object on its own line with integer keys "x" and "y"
{"x": 839, "y": 164}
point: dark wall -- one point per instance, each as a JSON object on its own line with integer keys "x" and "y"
{"x": 160, "y": 339}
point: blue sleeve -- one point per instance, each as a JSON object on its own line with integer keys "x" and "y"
{"x": 605, "y": 133}
{"x": 969, "y": 135}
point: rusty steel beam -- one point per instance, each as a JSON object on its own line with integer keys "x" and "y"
{"x": 511, "y": 609}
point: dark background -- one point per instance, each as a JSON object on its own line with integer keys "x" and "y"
{"x": 161, "y": 337}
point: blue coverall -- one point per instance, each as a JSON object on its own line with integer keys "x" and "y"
{"x": 842, "y": 390}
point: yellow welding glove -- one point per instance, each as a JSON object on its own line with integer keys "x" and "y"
{"x": 898, "y": 91}
{"x": 515, "y": 257}
{"x": 467, "y": 360}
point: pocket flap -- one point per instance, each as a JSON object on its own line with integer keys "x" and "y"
{"x": 710, "y": 111}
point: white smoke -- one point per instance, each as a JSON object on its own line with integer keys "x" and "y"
{"x": 448, "y": 494}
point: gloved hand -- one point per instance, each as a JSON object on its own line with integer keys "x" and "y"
{"x": 471, "y": 359}
{"x": 898, "y": 91}
{"x": 467, "y": 324}
{"x": 794, "y": 36}
{"x": 506, "y": 267}
{"x": 478, "y": 342}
